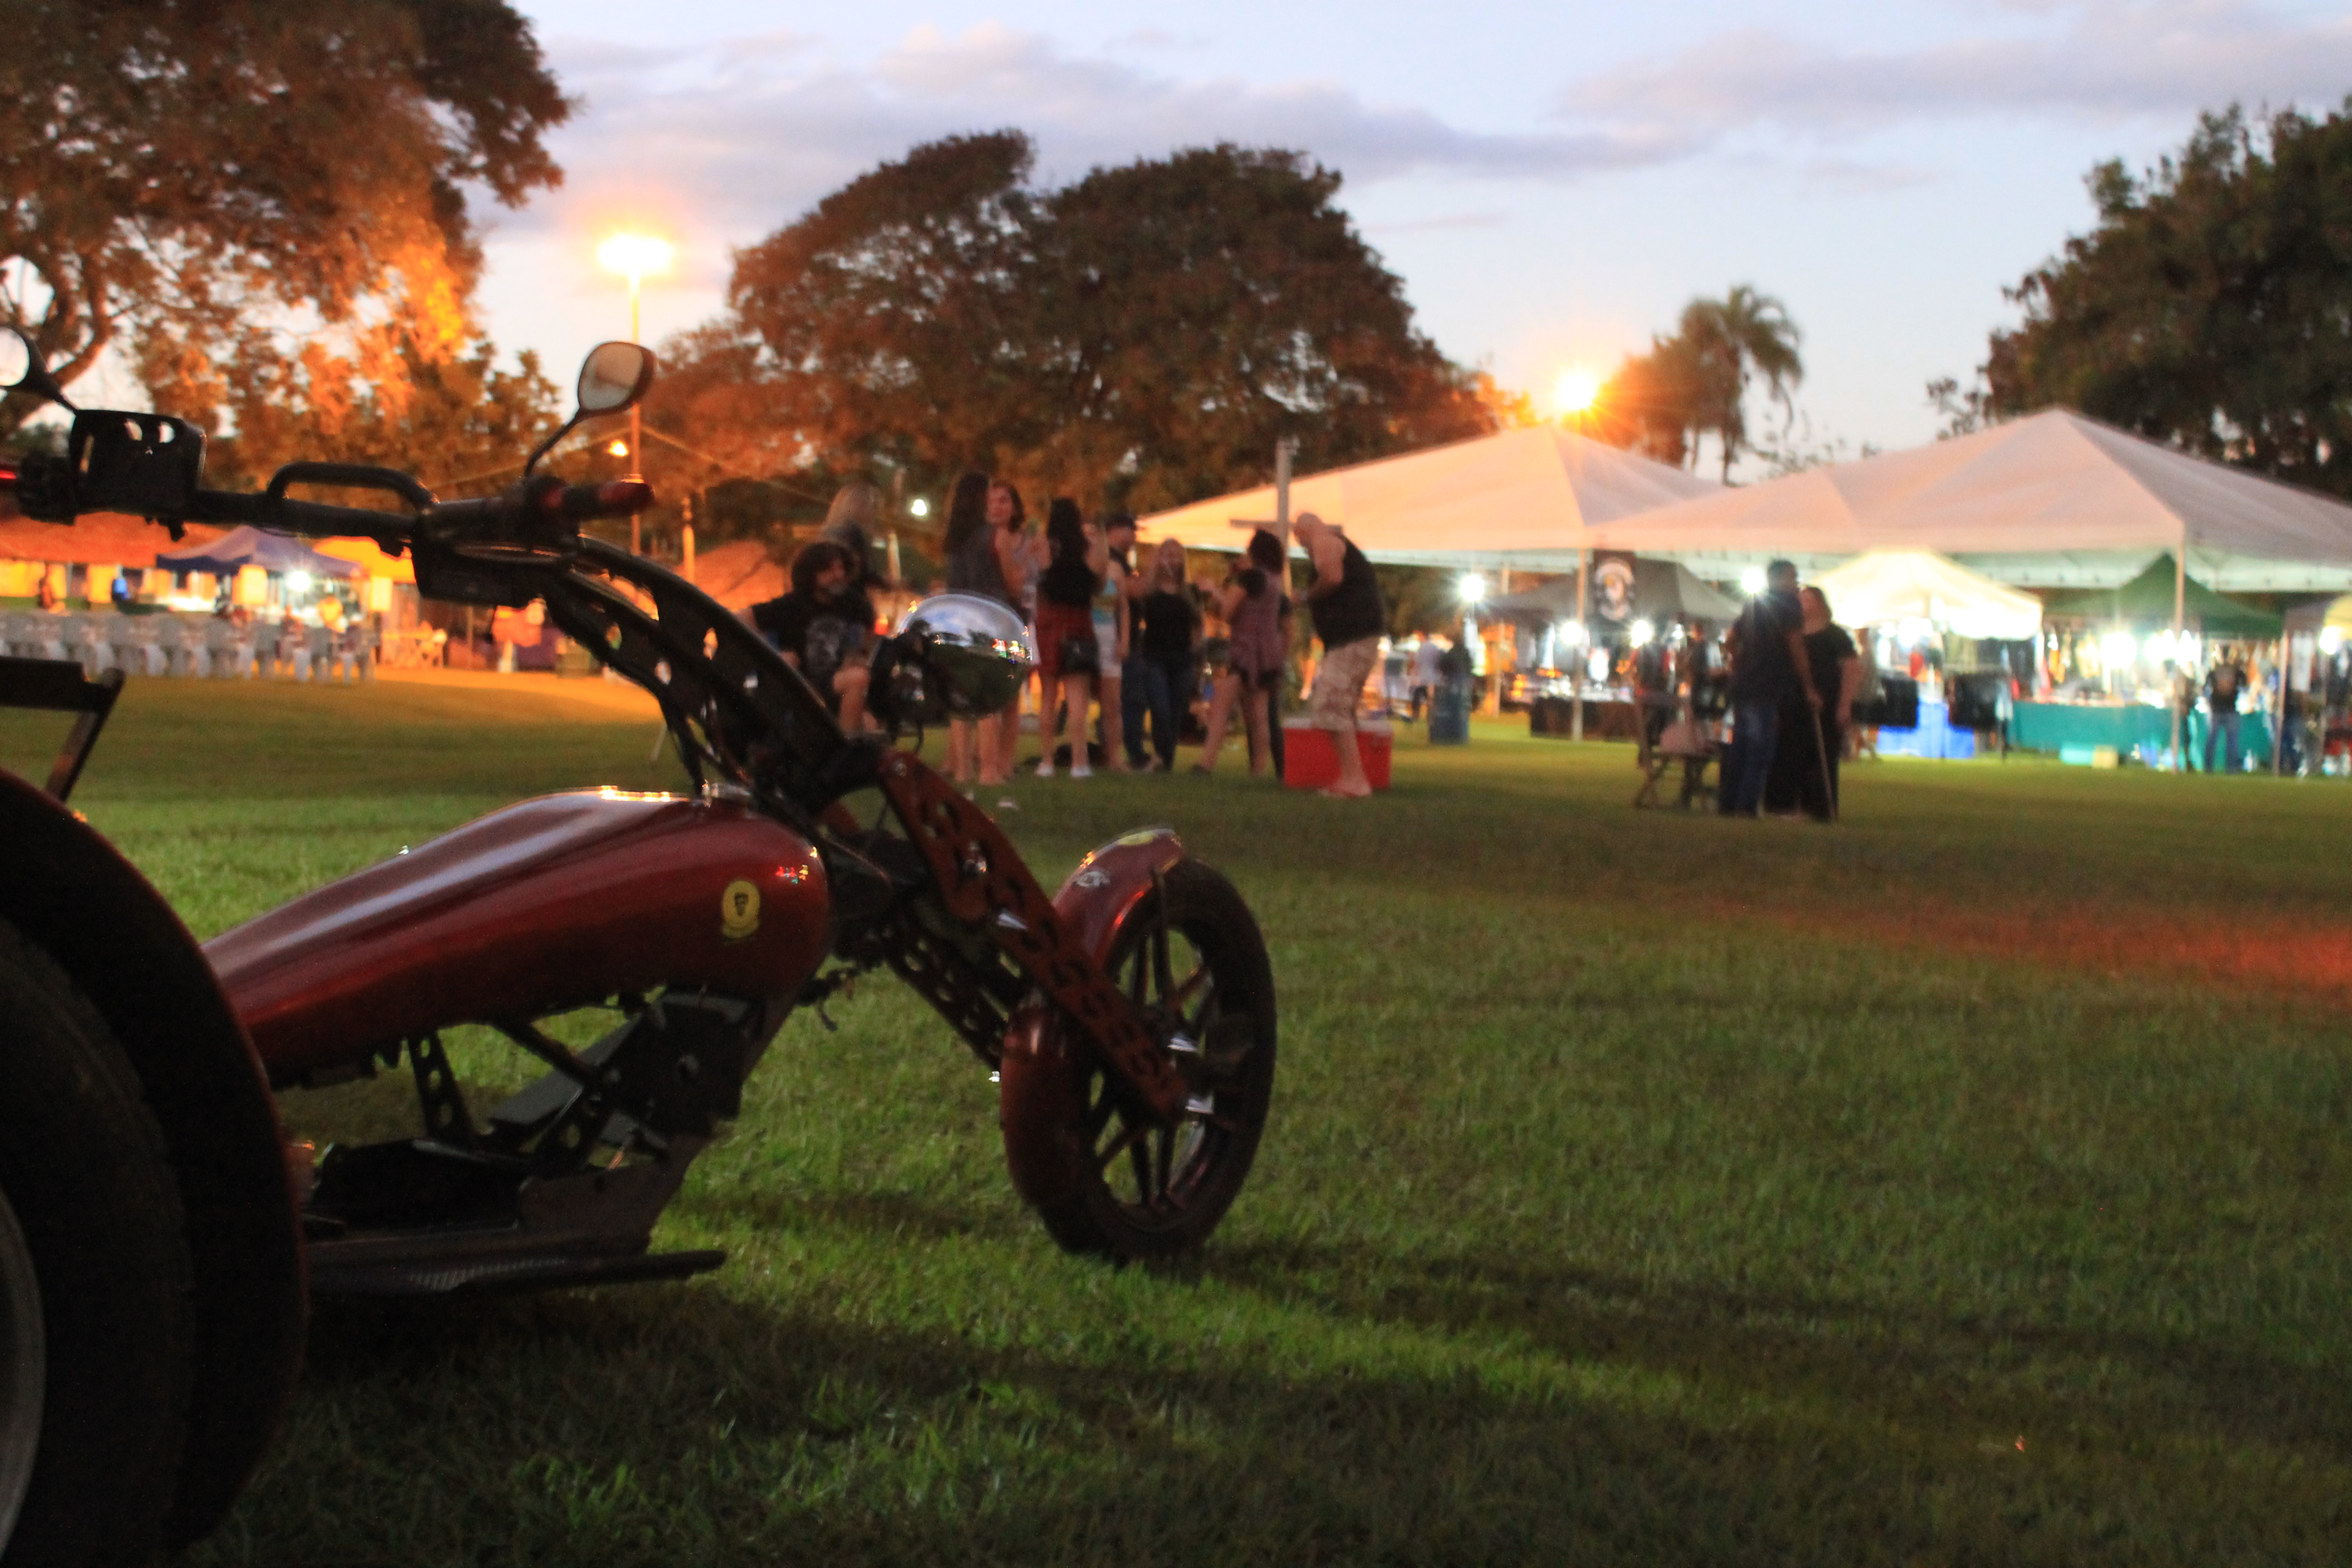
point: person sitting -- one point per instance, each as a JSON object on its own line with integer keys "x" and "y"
{"x": 821, "y": 627}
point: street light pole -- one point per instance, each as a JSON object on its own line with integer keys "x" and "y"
{"x": 636, "y": 425}
{"x": 633, "y": 256}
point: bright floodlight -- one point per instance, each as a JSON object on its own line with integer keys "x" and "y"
{"x": 634, "y": 256}
{"x": 919, "y": 507}
{"x": 299, "y": 582}
{"x": 1472, "y": 587}
{"x": 2331, "y": 641}
{"x": 2118, "y": 649}
{"x": 1642, "y": 631}
{"x": 1574, "y": 390}
{"x": 1753, "y": 580}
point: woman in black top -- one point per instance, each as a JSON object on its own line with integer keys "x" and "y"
{"x": 1805, "y": 773}
{"x": 1067, "y": 653}
{"x": 1168, "y": 628}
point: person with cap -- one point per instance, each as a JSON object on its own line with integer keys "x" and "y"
{"x": 1768, "y": 668}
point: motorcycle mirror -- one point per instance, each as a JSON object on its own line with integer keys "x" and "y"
{"x": 22, "y": 369}
{"x": 615, "y": 376}
{"x": 612, "y": 377}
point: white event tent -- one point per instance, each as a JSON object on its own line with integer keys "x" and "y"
{"x": 2053, "y": 500}
{"x": 1918, "y": 584}
{"x": 1525, "y": 499}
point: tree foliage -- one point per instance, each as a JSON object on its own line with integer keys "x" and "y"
{"x": 1147, "y": 332}
{"x": 198, "y": 183}
{"x": 1695, "y": 383}
{"x": 456, "y": 419}
{"x": 2212, "y": 306}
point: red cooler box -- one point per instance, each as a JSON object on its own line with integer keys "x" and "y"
{"x": 1309, "y": 763}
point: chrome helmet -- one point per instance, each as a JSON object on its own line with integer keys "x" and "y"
{"x": 967, "y": 655}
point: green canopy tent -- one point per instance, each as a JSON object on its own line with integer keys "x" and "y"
{"x": 2148, "y": 600}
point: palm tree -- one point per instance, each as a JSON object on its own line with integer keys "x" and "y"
{"x": 1730, "y": 340}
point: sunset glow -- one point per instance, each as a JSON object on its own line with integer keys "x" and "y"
{"x": 1574, "y": 390}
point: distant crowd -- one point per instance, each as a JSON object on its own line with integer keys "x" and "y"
{"x": 1120, "y": 640}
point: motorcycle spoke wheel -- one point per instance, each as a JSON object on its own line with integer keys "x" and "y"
{"x": 1104, "y": 1179}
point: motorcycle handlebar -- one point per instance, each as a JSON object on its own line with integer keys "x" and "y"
{"x": 525, "y": 512}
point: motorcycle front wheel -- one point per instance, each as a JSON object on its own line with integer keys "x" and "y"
{"x": 1104, "y": 1181}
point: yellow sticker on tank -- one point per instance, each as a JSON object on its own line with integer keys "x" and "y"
{"x": 739, "y": 910}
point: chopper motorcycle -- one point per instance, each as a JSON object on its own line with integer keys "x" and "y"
{"x": 158, "y": 1237}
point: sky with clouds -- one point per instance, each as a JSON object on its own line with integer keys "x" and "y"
{"x": 1552, "y": 180}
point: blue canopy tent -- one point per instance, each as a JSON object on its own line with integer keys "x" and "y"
{"x": 249, "y": 546}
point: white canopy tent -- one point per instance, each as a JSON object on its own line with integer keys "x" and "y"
{"x": 2054, "y": 499}
{"x": 1526, "y": 498}
{"x": 1918, "y": 584}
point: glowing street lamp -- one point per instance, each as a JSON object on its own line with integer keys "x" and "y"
{"x": 1753, "y": 582}
{"x": 634, "y": 257}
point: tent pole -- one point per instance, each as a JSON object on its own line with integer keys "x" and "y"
{"x": 2180, "y": 616}
{"x": 2278, "y": 707}
{"x": 1576, "y": 677}
{"x": 1283, "y": 450}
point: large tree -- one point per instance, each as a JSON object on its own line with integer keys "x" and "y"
{"x": 1191, "y": 311}
{"x": 889, "y": 322}
{"x": 2212, "y": 306}
{"x": 202, "y": 184}
{"x": 1149, "y": 332}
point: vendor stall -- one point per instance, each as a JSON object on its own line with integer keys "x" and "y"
{"x": 2114, "y": 653}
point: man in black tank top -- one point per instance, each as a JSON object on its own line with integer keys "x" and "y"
{"x": 1345, "y": 602}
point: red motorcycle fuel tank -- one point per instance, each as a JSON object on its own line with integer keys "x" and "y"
{"x": 554, "y": 903}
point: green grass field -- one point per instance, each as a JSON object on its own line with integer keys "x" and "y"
{"x": 1966, "y": 1184}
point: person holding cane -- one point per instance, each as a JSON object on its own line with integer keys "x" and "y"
{"x": 1813, "y": 739}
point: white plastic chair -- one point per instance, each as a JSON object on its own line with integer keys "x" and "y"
{"x": 300, "y": 647}
{"x": 49, "y": 634}
{"x": 140, "y": 642}
{"x": 216, "y": 652}
{"x": 93, "y": 646}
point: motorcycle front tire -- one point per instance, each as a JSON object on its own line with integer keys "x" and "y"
{"x": 95, "y": 1282}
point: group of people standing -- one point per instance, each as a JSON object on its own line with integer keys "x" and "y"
{"x": 1109, "y": 635}
{"x": 1795, "y": 674}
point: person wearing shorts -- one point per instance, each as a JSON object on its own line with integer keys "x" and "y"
{"x": 1251, "y": 604}
{"x": 1345, "y": 604}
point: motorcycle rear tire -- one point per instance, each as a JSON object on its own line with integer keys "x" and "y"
{"x": 1073, "y": 1151}
{"x": 84, "y": 1168}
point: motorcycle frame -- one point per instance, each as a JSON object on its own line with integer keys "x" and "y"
{"x": 745, "y": 719}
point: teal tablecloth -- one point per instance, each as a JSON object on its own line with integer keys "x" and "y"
{"x": 2127, "y": 727}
